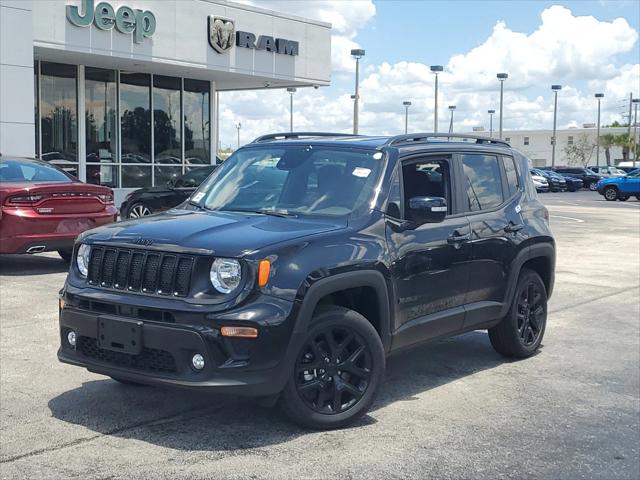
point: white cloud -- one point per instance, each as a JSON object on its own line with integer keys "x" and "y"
{"x": 578, "y": 52}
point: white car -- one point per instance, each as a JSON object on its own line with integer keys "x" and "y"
{"x": 541, "y": 183}
{"x": 608, "y": 171}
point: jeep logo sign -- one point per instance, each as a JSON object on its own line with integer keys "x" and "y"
{"x": 140, "y": 23}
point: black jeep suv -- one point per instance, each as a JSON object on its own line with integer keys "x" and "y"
{"x": 305, "y": 259}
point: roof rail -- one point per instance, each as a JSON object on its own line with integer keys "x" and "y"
{"x": 424, "y": 137}
{"x": 297, "y": 135}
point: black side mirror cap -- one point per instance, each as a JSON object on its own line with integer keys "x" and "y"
{"x": 427, "y": 209}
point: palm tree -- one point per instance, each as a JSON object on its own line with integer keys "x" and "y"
{"x": 626, "y": 142}
{"x": 607, "y": 141}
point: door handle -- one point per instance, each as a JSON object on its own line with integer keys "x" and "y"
{"x": 456, "y": 237}
{"x": 513, "y": 227}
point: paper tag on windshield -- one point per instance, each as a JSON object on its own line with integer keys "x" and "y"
{"x": 361, "y": 172}
{"x": 198, "y": 196}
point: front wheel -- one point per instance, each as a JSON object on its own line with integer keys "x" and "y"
{"x": 66, "y": 255}
{"x": 610, "y": 193}
{"x": 337, "y": 371}
{"x": 520, "y": 333}
{"x": 593, "y": 187}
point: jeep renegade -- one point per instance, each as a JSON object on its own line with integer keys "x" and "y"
{"x": 305, "y": 259}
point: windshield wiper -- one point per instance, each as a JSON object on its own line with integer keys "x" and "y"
{"x": 275, "y": 213}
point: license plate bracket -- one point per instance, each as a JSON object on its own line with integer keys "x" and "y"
{"x": 120, "y": 335}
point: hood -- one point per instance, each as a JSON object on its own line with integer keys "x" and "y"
{"x": 229, "y": 234}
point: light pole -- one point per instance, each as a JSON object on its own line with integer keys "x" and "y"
{"x": 357, "y": 53}
{"x": 598, "y": 96}
{"x": 556, "y": 89}
{"x": 491, "y": 112}
{"x": 406, "y": 104}
{"x": 451, "y": 109}
{"x": 635, "y": 102}
{"x": 436, "y": 69}
{"x": 502, "y": 77}
{"x": 291, "y": 91}
{"x": 239, "y": 126}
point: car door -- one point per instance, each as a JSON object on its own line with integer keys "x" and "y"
{"x": 493, "y": 193}
{"x": 429, "y": 261}
{"x": 630, "y": 184}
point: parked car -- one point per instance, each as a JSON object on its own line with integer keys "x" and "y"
{"x": 608, "y": 171}
{"x": 557, "y": 183}
{"x": 42, "y": 208}
{"x": 627, "y": 169}
{"x": 589, "y": 178}
{"x": 304, "y": 260}
{"x": 540, "y": 182}
{"x": 146, "y": 201}
{"x": 620, "y": 188}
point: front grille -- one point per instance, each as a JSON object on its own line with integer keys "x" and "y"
{"x": 150, "y": 360}
{"x": 155, "y": 273}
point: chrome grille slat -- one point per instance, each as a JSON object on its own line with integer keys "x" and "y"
{"x": 148, "y": 272}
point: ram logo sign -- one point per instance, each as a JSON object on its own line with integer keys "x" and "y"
{"x": 222, "y": 36}
{"x": 221, "y": 33}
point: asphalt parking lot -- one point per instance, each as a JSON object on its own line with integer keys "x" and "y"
{"x": 453, "y": 409}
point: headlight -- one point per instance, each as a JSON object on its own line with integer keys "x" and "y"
{"x": 82, "y": 259}
{"x": 225, "y": 274}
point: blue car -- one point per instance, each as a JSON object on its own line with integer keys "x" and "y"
{"x": 620, "y": 188}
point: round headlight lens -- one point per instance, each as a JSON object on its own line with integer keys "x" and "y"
{"x": 82, "y": 259}
{"x": 225, "y": 274}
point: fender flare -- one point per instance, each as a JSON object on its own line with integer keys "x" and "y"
{"x": 344, "y": 281}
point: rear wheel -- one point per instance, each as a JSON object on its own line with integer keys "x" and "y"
{"x": 623, "y": 198}
{"x": 66, "y": 254}
{"x": 337, "y": 371}
{"x": 139, "y": 210}
{"x": 610, "y": 193}
{"x": 520, "y": 332}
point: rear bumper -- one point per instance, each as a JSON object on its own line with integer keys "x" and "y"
{"x": 22, "y": 228}
{"x": 252, "y": 367}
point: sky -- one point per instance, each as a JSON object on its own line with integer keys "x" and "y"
{"x": 585, "y": 46}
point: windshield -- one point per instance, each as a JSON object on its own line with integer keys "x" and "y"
{"x": 293, "y": 179}
{"x": 32, "y": 172}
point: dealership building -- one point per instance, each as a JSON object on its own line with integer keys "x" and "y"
{"x": 123, "y": 92}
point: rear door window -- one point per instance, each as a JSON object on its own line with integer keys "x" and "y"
{"x": 483, "y": 180}
{"x": 511, "y": 171}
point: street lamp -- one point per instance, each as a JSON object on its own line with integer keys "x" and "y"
{"x": 291, "y": 91}
{"x": 357, "y": 53}
{"x": 502, "y": 77}
{"x": 436, "y": 69}
{"x": 556, "y": 89}
{"x": 406, "y": 104}
{"x": 239, "y": 126}
{"x": 491, "y": 112}
{"x": 635, "y": 102}
{"x": 451, "y": 109}
{"x": 598, "y": 96}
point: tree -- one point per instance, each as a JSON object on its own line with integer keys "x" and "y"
{"x": 581, "y": 151}
{"x": 626, "y": 142}
{"x": 607, "y": 141}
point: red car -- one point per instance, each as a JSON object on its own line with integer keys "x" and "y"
{"x": 42, "y": 208}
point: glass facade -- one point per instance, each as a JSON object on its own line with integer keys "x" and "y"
{"x": 140, "y": 129}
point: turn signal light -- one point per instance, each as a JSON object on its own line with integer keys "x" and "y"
{"x": 242, "y": 332}
{"x": 264, "y": 269}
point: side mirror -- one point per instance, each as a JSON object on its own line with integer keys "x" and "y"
{"x": 427, "y": 209}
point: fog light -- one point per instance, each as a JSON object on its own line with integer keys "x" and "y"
{"x": 71, "y": 338}
{"x": 197, "y": 361}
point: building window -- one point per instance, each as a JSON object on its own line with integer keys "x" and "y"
{"x": 135, "y": 128}
{"x": 101, "y": 117}
{"x": 551, "y": 141}
{"x": 58, "y": 115}
{"x": 526, "y": 140}
{"x": 507, "y": 139}
{"x": 570, "y": 140}
{"x": 36, "y": 77}
{"x": 196, "y": 122}
{"x": 167, "y": 132}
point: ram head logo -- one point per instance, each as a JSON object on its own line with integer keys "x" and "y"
{"x": 221, "y": 33}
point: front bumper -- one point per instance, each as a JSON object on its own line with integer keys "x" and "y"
{"x": 254, "y": 367}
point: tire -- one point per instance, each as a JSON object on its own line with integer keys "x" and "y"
{"x": 138, "y": 210}
{"x": 520, "y": 332}
{"x": 638, "y": 197}
{"x": 66, "y": 255}
{"x": 610, "y": 193}
{"x": 128, "y": 382}
{"x": 592, "y": 186}
{"x": 309, "y": 398}
{"x": 623, "y": 198}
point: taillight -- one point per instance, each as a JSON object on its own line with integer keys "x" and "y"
{"x": 19, "y": 200}
{"x": 106, "y": 197}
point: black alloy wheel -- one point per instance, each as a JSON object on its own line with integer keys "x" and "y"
{"x": 333, "y": 370}
{"x": 531, "y": 314}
